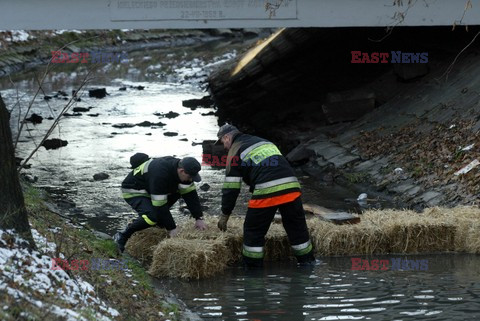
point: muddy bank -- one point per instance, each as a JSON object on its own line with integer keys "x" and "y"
{"x": 403, "y": 130}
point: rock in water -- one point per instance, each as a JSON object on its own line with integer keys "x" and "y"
{"x": 100, "y": 176}
{"x": 97, "y": 93}
{"x": 54, "y": 143}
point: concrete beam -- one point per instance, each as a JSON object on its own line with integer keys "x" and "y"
{"x": 199, "y": 14}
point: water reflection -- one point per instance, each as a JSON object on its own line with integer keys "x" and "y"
{"x": 332, "y": 291}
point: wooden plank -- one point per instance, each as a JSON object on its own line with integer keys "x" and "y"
{"x": 329, "y": 215}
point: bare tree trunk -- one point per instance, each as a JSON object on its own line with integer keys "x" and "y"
{"x": 13, "y": 214}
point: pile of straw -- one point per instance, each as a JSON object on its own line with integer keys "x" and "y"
{"x": 385, "y": 231}
{"x": 467, "y": 222}
{"x": 200, "y": 254}
{"x": 189, "y": 259}
{"x": 411, "y": 232}
{"x": 141, "y": 244}
{"x": 330, "y": 239}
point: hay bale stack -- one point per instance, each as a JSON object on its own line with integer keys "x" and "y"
{"x": 232, "y": 238}
{"x": 142, "y": 244}
{"x": 467, "y": 237}
{"x": 410, "y": 232}
{"x": 472, "y": 238}
{"x": 332, "y": 239}
{"x": 189, "y": 259}
{"x": 201, "y": 254}
{"x": 188, "y": 231}
{"x": 420, "y": 238}
{"x": 467, "y": 222}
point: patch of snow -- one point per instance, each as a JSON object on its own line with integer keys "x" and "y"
{"x": 19, "y": 35}
{"x": 42, "y": 244}
{"x": 59, "y": 32}
{"x": 21, "y": 268}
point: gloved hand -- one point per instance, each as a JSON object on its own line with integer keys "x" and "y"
{"x": 200, "y": 225}
{"x": 173, "y": 233}
{"x": 222, "y": 222}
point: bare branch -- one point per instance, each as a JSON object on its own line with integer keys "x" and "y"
{"x": 450, "y": 67}
{"x": 57, "y": 119}
{"x": 47, "y": 70}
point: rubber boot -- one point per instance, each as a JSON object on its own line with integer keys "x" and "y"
{"x": 307, "y": 259}
{"x": 251, "y": 263}
{"x": 121, "y": 238}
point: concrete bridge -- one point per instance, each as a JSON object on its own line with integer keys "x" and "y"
{"x": 198, "y": 14}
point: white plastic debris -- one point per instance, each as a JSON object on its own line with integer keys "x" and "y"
{"x": 467, "y": 148}
{"x": 398, "y": 171}
{"x": 452, "y": 126}
{"x": 468, "y": 168}
{"x": 362, "y": 197}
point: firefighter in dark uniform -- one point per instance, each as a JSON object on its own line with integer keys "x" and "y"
{"x": 274, "y": 186}
{"x": 153, "y": 186}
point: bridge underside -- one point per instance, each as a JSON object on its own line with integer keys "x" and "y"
{"x": 198, "y": 14}
{"x": 305, "y": 76}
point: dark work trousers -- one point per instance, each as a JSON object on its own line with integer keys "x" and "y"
{"x": 257, "y": 223}
{"x": 143, "y": 205}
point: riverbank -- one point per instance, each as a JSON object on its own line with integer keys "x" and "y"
{"x": 21, "y": 50}
{"x": 95, "y": 284}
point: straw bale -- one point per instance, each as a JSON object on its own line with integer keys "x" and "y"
{"x": 200, "y": 254}
{"x": 332, "y": 239}
{"x": 188, "y": 231}
{"x": 410, "y": 232}
{"x": 458, "y": 213}
{"x": 468, "y": 236}
{"x": 189, "y": 259}
{"x": 141, "y": 244}
{"x": 466, "y": 220}
{"x": 232, "y": 238}
{"x": 420, "y": 238}
{"x": 277, "y": 247}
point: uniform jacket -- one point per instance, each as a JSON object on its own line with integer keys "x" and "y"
{"x": 259, "y": 164}
{"x": 156, "y": 179}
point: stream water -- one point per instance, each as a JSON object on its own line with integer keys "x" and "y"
{"x": 448, "y": 290}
